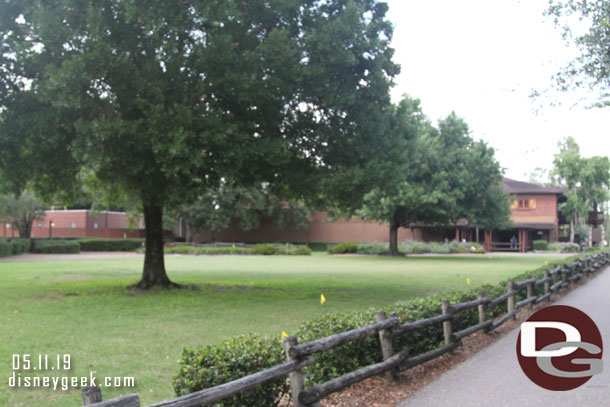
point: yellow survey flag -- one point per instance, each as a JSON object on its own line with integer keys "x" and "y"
{"x": 467, "y": 281}
{"x": 322, "y": 299}
{"x": 546, "y": 262}
{"x": 284, "y": 334}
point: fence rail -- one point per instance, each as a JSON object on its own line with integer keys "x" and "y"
{"x": 299, "y": 356}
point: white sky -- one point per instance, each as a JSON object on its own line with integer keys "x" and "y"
{"x": 482, "y": 59}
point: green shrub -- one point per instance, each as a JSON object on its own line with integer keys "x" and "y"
{"x": 564, "y": 247}
{"x": 414, "y": 247}
{"x": 554, "y": 247}
{"x": 264, "y": 249}
{"x": 55, "y": 246}
{"x": 343, "y": 247}
{"x": 540, "y": 245}
{"x": 109, "y": 245}
{"x": 18, "y": 246}
{"x": 456, "y": 247}
{"x": 438, "y": 248}
{"x": 179, "y": 249}
{"x": 476, "y": 248}
{"x": 318, "y": 246}
{"x": 233, "y": 359}
{"x": 375, "y": 248}
{"x": 300, "y": 251}
{"x": 13, "y": 247}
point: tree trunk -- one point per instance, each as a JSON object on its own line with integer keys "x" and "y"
{"x": 572, "y": 229}
{"x": 394, "y": 239}
{"x": 154, "y": 265}
{"x": 25, "y": 227}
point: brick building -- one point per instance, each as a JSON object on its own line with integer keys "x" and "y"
{"x": 534, "y": 214}
{"x": 79, "y": 223}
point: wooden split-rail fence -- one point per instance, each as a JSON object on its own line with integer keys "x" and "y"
{"x": 299, "y": 355}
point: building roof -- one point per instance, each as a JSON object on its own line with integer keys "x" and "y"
{"x": 512, "y": 186}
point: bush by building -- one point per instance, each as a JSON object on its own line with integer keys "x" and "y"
{"x": 109, "y": 245}
{"x": 540, "y": 245}
{"x": 343, "y": 248}
{"x": 55, "y": 246}
{"x": 13, "y": 247}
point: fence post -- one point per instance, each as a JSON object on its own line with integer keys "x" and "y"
{"x": 91, "y": 395}
{"x": 447, "y": 328}
{"x": 530, "y": 292}
{"x": 547, "y": 284}
{"x": 564, "y": 276}
{"x": 482, "y": 310}
{"x": 385, "y": 337}
{"x": 510, "y": 302}
{"x": 297, "y": 380}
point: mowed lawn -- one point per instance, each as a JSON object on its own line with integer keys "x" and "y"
{"x": 81, "y": 308}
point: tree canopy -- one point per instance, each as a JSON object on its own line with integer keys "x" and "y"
{"x": 587, "y": 25}
{"x": 216, "y": 208}
{"x": 586, "y": 182}
{"x": 437, "y": 176}
{"x": 168, "y": 98}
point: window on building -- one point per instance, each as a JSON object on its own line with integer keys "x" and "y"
{"x": 96, "y": 225}
{"x": 39, "y": 224}
{"x": 73, "y": 225}
{"x": 526, "y": 204}
{"x": 8, "y": 225}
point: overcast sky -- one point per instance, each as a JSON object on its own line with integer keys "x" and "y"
{"x": 482, "y": 59}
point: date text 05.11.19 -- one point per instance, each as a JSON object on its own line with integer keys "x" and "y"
{"x": 41, "y": 362}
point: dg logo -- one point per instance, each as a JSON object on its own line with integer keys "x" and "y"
{"x": 560, "y": 348}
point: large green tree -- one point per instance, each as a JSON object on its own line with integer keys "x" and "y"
{"x": 436, "y": 176}
{"x": 167, "y": 98}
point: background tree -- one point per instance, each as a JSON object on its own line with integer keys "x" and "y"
{"x": 165, "y": 98}
{"x": 21, "y": 211}
{"x": 586, "y": 182}
{"x": 216, "y": 208}
{"x": 585, "y": 23}
{"x": 440, "y": 176}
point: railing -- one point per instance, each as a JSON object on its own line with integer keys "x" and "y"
{"x": 299, "y": 356}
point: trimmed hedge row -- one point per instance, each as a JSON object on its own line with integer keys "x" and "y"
{"x": 540, "y": 245}
{"x": 14, "y": 247}
{"x": 409, "y": 247}
{"x": 109, "y": 245}
{"x": 212, "y": 364}
{"x": 55, "y": 246}
{"x": 265, "y": 249}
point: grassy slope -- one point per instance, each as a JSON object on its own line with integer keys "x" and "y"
{"x": 81, "y": 307}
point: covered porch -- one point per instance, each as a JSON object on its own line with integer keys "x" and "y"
{"x": 518, "y": 239}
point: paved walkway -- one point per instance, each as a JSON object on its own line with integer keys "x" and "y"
{"x": 493, "y": 376}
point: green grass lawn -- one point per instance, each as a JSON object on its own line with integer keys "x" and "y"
{"x": 81, "y": 308}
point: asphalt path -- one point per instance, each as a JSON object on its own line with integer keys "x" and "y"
{"x": 493, "y": 376}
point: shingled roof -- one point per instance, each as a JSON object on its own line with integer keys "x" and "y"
{"x": 518, "y": 187}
